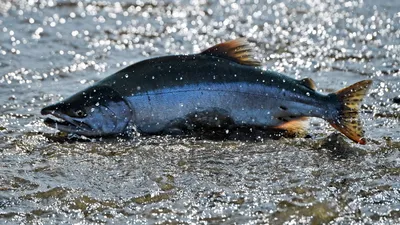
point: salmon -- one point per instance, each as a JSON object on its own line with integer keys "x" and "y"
{"x": 222, "y": 87}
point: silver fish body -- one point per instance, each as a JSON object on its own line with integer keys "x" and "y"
{"x": 183, "y": 92}
{"x": 208, "y": 88}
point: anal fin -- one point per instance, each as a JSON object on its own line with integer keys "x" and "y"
{"x": 295, "y": 128}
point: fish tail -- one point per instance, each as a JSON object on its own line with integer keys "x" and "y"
{"x": 348, "y": 121}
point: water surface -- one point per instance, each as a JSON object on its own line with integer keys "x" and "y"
{"x": 52, "y": 49}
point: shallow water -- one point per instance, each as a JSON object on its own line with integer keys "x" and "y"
{"x": 52, "y": 49}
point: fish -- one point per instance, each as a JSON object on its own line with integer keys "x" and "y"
{"x": 224, "y": 86}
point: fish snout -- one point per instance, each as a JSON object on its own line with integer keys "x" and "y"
{"x": 49, "y": 109}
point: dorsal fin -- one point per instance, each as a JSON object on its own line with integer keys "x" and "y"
{"x": 237, "y": 50}
{"x": 308, "y": 82}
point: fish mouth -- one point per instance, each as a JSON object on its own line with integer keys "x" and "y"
{"x": 64, "y": 123}
{"x": 54, "y": 122}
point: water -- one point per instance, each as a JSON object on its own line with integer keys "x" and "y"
{"x": 52, "y": 49}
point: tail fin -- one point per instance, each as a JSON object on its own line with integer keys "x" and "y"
{"x": 348, "y": 121}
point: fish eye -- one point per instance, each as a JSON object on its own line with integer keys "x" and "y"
{"x": 80, "y": 113}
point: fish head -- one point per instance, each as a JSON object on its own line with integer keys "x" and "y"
{"x": 96, "y": 111}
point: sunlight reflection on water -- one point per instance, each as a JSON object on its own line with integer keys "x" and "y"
{"x": 51, "y": 49}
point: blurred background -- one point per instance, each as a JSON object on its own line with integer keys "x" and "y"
{"x": 52, "y": 49}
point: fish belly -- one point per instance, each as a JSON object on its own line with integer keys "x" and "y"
{"x": 212, "y": 105}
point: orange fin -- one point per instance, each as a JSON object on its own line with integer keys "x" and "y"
{"x": 238, "y": 50}
{"x": 295, "y": 128}
{"x": 308, "y": 82}
{"x": 348, "y": 121}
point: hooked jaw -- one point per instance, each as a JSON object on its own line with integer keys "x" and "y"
{"x": 62, "y": 121}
